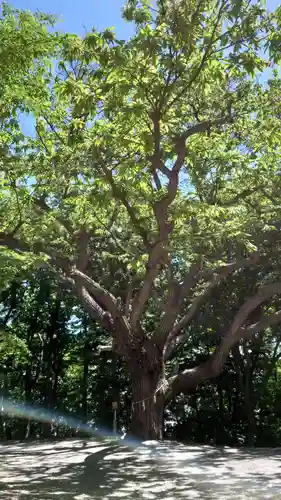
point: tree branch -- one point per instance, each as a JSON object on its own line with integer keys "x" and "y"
{"x": 156, "y": 159}
{"x": 102, "y": 306}
{"x": 100, "y": 294}
{"x": 165, "y": 228}
{"x": 121, "y": 196}
{"x": 152, "y": 270}
{"x": 53, "y": 129}
{"x": 129, "y": 296}
{"x": 93, "y": 308}
{"x": 189, "y": 379}
{"x": 13, "y": 243}
{"x": 206, "y": 53}
{"x": 18, "y": 245}
{"x": 167, "y": 335}
{"x": 240, "y": 196}
{"x": 250, "y": 331}
{"x": 176, "y": 294}
{"x": 204, "y": 126}
{"x": 174, "y": 338}
{"x": 226, "y": 269}
{"x": 100, "y": 303}
{"x": 41, "y": 203}
{"x": 83, "y": 240}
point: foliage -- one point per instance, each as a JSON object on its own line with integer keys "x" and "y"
{"x": 95, "y": 128}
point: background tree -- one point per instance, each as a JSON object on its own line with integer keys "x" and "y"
{"x": 51, "y": 360}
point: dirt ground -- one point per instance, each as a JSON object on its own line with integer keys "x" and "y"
{"x": 87, "y": 470}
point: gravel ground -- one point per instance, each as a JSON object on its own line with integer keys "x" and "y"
{"x": 87, "y": 470}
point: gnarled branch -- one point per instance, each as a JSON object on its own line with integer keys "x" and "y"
{"x": 103, "y": 297}
{"x": 189, "y": 379}
{"x": 174, "y": 337}
{"x": 152, "y": 270}
{"x": 168, "y": 334}
{"x": 204, "y": 126}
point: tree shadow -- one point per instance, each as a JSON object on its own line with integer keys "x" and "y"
{"x": 83, "y": 470}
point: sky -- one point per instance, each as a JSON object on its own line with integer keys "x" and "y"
{"x": 79, "y": 15}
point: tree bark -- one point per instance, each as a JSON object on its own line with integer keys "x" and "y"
{"x": 147, "y": 405}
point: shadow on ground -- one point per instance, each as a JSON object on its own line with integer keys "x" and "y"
{"x": 86, "y": 470}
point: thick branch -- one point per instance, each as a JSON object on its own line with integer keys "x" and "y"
{"x": 216, "y": 274}
{"x": 101, "y": 306}
{"x": 13, "y": 243}
{"x": 161, "y": 207}
{"x": 156, "y": 160}
{"x": 100, "y": 303}
{"x": 175, "y": 297}
{"x": 83, "y": 240}
{"x": 191, "y": 378}
{"x": 169, "y": 332}
{"x": 165, "y": 228}
{"x": 152, "y": 270}
{"x": 174, "y": 338}
{"x": 129, "y": 296}
{"x": 250, "y": 331}
{"x": 226, "y": 269}
{"x": 91, "y": 306}
{"x": 204, "y": 126}
{"x": 100, "y": 294}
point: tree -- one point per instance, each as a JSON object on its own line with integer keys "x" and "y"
{"x": 51, "y": 357}
{"x": 143, "y": 185}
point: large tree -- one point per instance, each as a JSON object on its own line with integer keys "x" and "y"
{"x": 145, "y": 183}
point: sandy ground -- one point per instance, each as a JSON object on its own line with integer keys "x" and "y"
{"x": 86, "y": 470}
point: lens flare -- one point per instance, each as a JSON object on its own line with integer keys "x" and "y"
{"x": 39, "y": 414}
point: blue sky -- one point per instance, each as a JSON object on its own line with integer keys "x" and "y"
{"x": 78, "y": 15}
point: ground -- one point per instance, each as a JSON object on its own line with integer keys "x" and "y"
{"x": 88, "y": 470}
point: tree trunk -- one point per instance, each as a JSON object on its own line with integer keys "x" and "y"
{"x": 147, "y": 406}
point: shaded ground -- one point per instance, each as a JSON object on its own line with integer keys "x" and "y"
{"x": 87, "y": 470}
